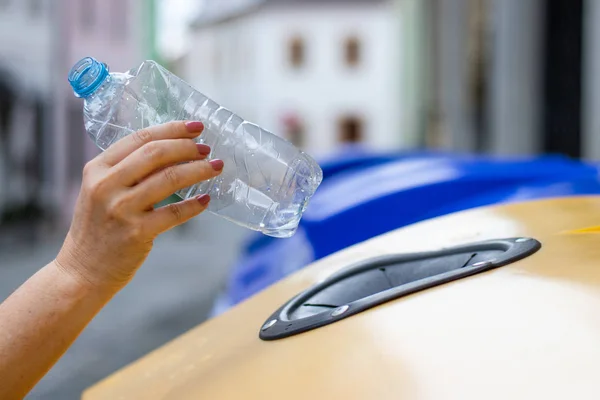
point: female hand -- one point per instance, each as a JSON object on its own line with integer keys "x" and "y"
{"x": 115, "y": 224}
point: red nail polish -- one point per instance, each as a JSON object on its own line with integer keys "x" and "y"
{"x": 217, "y": 164}
{"x": 203, "y": 149}
{"x": 194, "y": 126}
{"x": 203, "y": 199}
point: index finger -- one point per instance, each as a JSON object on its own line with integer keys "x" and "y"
{"x": 130, "y": 143}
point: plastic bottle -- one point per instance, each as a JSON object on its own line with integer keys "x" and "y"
{"x": 266, "y": 183}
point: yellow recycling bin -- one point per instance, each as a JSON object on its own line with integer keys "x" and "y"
{"x": 498, "y": 302}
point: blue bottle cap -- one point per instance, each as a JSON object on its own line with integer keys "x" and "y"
{"x": 87, "y": 75}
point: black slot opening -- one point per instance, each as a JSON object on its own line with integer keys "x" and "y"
{"x": 376, "y": 281}
{"x": 387, "y": 276}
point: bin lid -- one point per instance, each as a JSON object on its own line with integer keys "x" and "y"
{"x": 349, "y": 209}
{"x": 527, "y": 330}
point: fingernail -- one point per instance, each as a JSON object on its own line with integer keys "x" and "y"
{"x": 194, "y": 126}
{"x": 203, "y": 149}
{"x": 203, "y": 199}
{"x": 217, "y": 164}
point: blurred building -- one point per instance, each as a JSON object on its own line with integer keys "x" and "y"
{"x": 493, "y": 76}
{"x": 513, "y": 76}
{"x": 320, "y": 73}
{"x": 496, "y": 76}
{"x": 43, "y": 141}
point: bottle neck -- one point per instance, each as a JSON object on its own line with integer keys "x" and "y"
{"x": 103, "y": 96}
{"x": 87, "y": 76}
{"x": 102, "y": 88}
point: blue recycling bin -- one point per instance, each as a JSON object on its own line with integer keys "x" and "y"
{"x": 347, "y": 159}
{"x": 352, "y": 207}
{"x": 270, "y": 264}
{"x": 585, "y": 186}
{"x": 382, "y": 198}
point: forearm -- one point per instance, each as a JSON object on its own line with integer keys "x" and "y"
{"x": 39, "y": 322}
{"x": 114, "y": 225}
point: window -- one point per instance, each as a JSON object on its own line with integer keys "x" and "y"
{"x": 294, "y": 129}
{"x": 351, "y": 130}
{"x": 296, "y": 52}
{"x": 352, "y": 51}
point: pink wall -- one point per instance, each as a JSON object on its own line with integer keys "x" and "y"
{"x": 112, "y": 32}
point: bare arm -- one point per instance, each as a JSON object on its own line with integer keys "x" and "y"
{"x": 39, "y": 322}
{"x": 111, "y": 235}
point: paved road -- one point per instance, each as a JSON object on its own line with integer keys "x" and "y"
{"x": 172, "y": 293}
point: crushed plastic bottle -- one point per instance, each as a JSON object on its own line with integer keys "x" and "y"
{"x": 266, "y": 183}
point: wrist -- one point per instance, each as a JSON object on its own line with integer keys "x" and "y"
{"x": 78, "y": 284}
{"x": 86, "y": 270}
{"x": 70, "y": 274}
{"x": 75, "y": 288}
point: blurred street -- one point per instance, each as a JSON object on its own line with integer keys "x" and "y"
{"x": 355, "y": 84}
{"x": 172, "y": 293}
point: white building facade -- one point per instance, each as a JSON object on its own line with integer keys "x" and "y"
{"x": 320, "y": 73}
